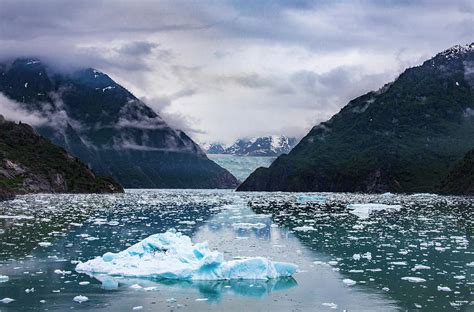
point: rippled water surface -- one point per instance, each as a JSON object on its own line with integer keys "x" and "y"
{"x": 416, "y": 256}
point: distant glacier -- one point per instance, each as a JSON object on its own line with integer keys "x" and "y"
{"x": 241, "y": 166}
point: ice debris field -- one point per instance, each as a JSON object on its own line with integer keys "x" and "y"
{"x": 356, "y": 252}
{"x": 172, "y": 255}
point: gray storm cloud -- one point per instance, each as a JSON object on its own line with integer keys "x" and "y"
{"x": 247, "y": 68}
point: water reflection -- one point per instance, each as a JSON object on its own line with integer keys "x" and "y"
{"x": 213, "y": 291}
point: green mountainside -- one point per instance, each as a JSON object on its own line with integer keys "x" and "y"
{"x": 405, "y": 137}
{"x": 30, "y": 163}
{"x": 108, "y": 128}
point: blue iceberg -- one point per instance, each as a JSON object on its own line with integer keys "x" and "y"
{"x": 174, "y": 256}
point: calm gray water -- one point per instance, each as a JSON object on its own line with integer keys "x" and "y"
{"x": 428, "y": 240}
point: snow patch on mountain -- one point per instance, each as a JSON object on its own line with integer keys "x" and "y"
{"x": 272, "y": 145}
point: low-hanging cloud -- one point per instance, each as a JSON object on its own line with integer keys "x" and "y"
{"x": 13, "y": 111}
{"x": 220, "y": 70}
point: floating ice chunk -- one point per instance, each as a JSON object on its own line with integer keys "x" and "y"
{"x": 399, "y": 263}
{"x": 349, "y": 282}
{"x": 18, "y": 217}
{"x": 413, "y": 279}
{"x": 247, "y": 226}
{"x": 421, "y": 267}
{"x": 363, "y": 211}
{"x": 7, "y": 300}
{"x": 331, "y": 305}
{"x": 444, "y": 288}
{"x": 187, "y": 222}
{"x": 84, "y": 283}
{"x": 173, "y": 255}
{"x": 304, "y": 228}
{"x": 3, "y": 278}
{"x": 137, "y": 308}
{"x": 470, "y": 264}
{"x": 80, "y": 299}
{"x": 304, "y": 199}
{"x": 61, "y": 272}
{"x": 44, "y": 244}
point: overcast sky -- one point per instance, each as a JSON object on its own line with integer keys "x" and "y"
{"x": 227, "y": 69}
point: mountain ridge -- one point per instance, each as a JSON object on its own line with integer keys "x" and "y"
{"x": 405, "y": 137}
{"x": 102, "y": 123}
{"x": 273, "y": 145}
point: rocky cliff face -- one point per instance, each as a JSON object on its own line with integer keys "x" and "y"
{"x": 460, "y": 180}
{"x": 404, "y": 137}
{"x": 30, "y": 163}
{"x": 107, "y": 127}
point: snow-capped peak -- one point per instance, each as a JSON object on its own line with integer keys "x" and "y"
{"x": 272, "y": 145}
{"x": 457, "y": 50}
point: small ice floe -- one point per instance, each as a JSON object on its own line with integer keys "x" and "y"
{"x": 331, "y": 305}
{"x": 399, "y": 263}
{"x": 413, "y": 279}
{"x": 137, "y": 308}
{"x": 420, "y": 267}
{"x": 3, "y": 278}
{"x": 80, "y": 299}
{"x": 136, "y": 286}
{"x": 349, "y": 282}
{"x": 304, "y": 228}
{"x": 305, "y": 199}
{"x": 29, "y": 290}
{"x": 363, "y": 211}
{"x": 44, "y": 244}
{"x": 172, "y": 255}
{"x": 7, "y": 300}
{"x": 248, "y": 226}
{"x": 366, "y": 255}
{"x": 201, "y": 299}
{"x": 61, "y": 272}
{"x": 444, "y": 288}
{"x": 187, "y": 222}
{"x": 18, "y": 217}
{"x": 470, "y": 264}
{"x": 84, "y": 283}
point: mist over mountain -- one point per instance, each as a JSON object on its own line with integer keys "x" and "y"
{"x": 405, "y": 137}
{"x": 106, "y": 126}
{"x": 30, "y": 163}
{"x": 274, "y": 145}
